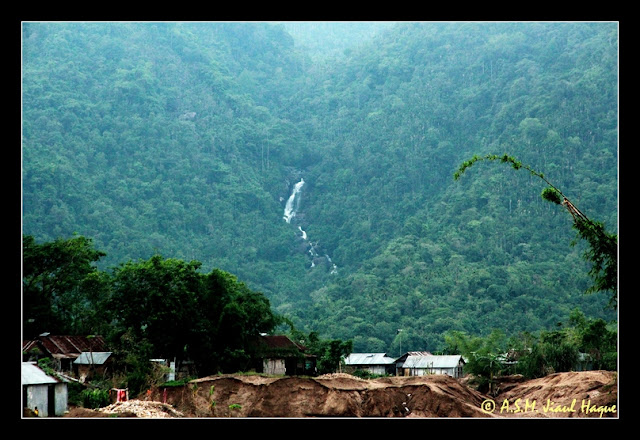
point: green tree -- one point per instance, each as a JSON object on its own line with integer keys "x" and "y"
{"x": 208, "y": 318}
{"x": 559, "y": 352}
{"x": 532, "y": 364}
{"x": 60, "y": 285}
{"x": 485, "y": 356}
{"x": 156, "y": 299}
{"x": 596, "y": 340}
{"x": 131, "y": 355}
{"x": 553, "y": 352}
{"x": 230, "y": 316}
{"x": 329, "y": 352}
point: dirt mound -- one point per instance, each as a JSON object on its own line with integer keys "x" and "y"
{"x": 142, "y": 408}
{"x": 338, "y": 395}
{"x": 129, "y": 408}
{"x": 573, "y": 394}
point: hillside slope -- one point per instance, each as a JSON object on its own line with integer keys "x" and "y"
{"x": 423, "y": 253}
{"x": 186, "y": 139}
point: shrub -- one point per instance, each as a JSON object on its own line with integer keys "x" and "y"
{"x": 95, "y": 398}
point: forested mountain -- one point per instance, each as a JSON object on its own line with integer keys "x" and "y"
{"x": 186, "y": 139}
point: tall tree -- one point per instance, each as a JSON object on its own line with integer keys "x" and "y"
{"x": 58, "y": 279}
{"x": 182, "y": 313}
{"x": 230, "y": 317}
{"x": 485, "y": 356}
{"x": 157, "y": 300}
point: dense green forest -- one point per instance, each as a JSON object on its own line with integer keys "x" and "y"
{"x": 186, "y": 140}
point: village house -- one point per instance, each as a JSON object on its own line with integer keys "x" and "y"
{"x": 175, "y": 369}
{"x": 374, "y": 363}
{"x": 412, "y": 363}
{"x": 280, "y": 355}
{"x": 92, "y": 364}
{"x": 62, "y": 350}
{"x": 46, "y": 394}
{"x": 402, "y": 359}
{"x": 420, "y": 363}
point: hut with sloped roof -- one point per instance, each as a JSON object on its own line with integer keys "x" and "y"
{"x": 92, "y": 364}
{"x": 277, "y": 354}
{"x": 42, "y": 392}
{"x": 374, "y": 363}
{"x": 61, "y": 349}
{"x": 423, "y": 363}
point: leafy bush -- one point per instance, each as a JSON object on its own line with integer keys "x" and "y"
{"x": 95, "y": 398}
{"x": 75, "y": 394}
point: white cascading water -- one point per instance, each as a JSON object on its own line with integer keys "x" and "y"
{"x": 334, "y": 268}
{"x": 290, "y": 212}
{"x": 290, "y": 207}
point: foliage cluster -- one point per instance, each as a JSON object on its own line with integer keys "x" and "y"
{"x": 330, "y": 352}
{"x": 365, "y": 374}
{"x": 420, "y": 254}
{"x": 582, "y": 343}
{"x": 95, "y": 398}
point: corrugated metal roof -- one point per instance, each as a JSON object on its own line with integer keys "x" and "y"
{"x": 69, "y": 347}
{"x": 280, "y": 341}
{"x": 368, "y": 359}
{"x": 34, "y": 375}
{"x": 92, "y": 358}
{"x": 432, "y": 361}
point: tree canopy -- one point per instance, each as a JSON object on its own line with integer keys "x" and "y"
{"x": 60, "y": 280}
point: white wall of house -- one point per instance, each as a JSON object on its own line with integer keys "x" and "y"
{"x": 62, "y": 396}
{"x": 453, "y": 372}
{"x": 38, "y": 396}
{"x": 376, "y": 369}
{"x": 273, "y": 366}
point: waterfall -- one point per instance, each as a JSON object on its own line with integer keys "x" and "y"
{"x": 289, "y": 212}
{"x": 334, "y": 268}
{"x": 292, "y": 203}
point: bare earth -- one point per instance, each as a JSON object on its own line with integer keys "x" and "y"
{"x": 342, "y": 395}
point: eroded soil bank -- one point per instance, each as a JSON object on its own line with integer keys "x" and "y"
{"x": 575, "y": 394}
